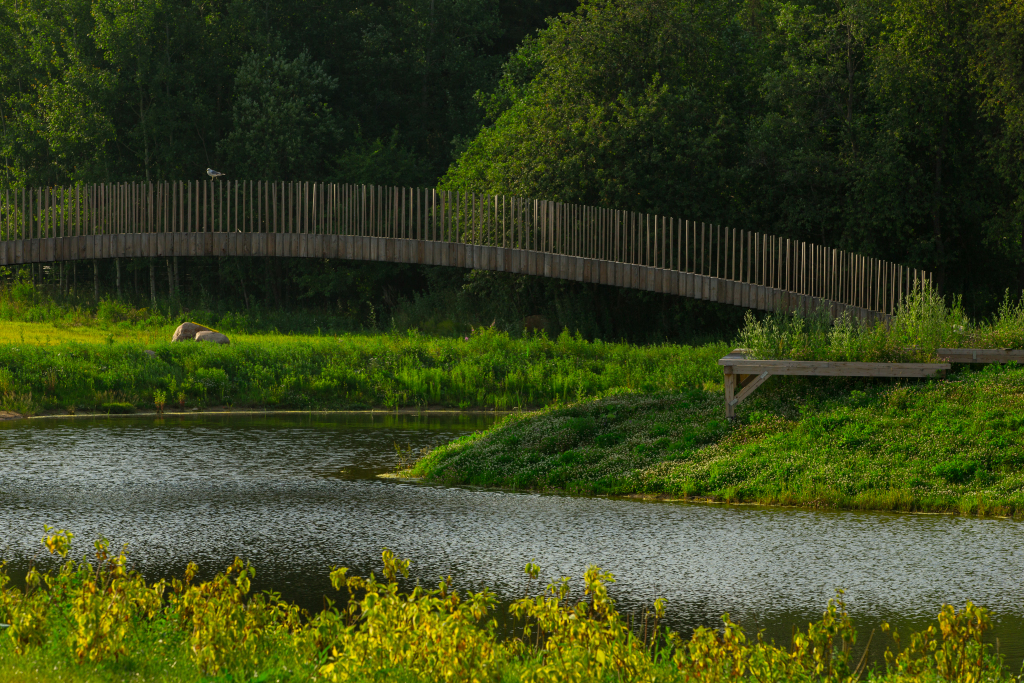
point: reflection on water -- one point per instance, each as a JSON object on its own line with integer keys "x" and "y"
{"x": 297, "y": 495}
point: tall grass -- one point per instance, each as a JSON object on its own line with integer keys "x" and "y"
{"x": 923, "y": 323}
{"x": 486, "y": 370}
{"x": 94, "y": 619}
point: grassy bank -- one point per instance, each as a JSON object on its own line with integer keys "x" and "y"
{"x": 940, "y": 446}
{"x": 487, "y": 370}
{"x": 95, "y": 620}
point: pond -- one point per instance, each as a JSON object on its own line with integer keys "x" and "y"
{"x": 298, "y": 494}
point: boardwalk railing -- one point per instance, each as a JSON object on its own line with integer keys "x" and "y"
{"x": 762, "y": 263}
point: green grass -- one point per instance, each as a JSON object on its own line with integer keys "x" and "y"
{"x": 488, "y": 370}
{"x": 59, "y": 357}
{"x": 939, "y": 446}
{"x": 923, "y": 323}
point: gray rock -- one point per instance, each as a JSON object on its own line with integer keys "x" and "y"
{"x": 211, "y": 336}
{"x": 151, "y": 353}
{"x": 188, "y": 331}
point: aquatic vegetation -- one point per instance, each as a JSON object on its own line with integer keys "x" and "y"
{"x": 96, "y": 620}
{"x": 943, "y": 446}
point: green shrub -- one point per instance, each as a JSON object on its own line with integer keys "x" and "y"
{"x": 923, "y": 323}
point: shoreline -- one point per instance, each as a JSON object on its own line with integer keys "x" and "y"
{"x": 8, "y": 416}
{"x": 691, "y": 500}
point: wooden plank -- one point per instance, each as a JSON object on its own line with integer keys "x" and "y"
{"x": 981, "y": 355}
{"x": 748, "y": 388}
{"x": 833, "y": 368}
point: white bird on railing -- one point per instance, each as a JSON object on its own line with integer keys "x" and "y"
{"x": 213, "y": 174}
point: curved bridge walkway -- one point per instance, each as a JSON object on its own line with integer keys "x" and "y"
{"x": 446, "y": 228}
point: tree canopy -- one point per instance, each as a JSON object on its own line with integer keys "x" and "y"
{"x": 893, "y": 128}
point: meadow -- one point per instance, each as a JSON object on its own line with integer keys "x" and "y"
{"x": 487, "y": 370}
{"x": 96, "y": 620}
{"x": 110, "y": 357}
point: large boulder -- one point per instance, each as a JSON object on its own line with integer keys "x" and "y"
{"x": 188, "y": 331}
{"x": 211, "y": 336}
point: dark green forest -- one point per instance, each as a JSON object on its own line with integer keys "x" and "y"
{"x": 893, "y": 128}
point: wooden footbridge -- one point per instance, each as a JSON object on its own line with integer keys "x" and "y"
{"x": 446, "y": 228}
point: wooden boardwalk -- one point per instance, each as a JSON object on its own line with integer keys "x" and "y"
{"x": 445, "y": 228}
{"x": 744, "y": 375}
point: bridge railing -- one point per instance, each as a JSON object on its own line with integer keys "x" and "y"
{"x": 591, "y": 232}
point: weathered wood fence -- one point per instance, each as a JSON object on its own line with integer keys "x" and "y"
{"x": 441, "y": 227}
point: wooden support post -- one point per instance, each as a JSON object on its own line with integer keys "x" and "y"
{"x": 729, "y": 383}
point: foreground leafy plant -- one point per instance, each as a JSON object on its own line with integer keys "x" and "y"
{"x": 95, "y": 620}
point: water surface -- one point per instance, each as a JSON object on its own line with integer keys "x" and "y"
{"x": 299, "y": 494}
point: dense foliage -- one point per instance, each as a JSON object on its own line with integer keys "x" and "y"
{"x": 95, "y": 619}
{"x": 949, "y": 446}
{"x": 893, "y": 129}
{"x": 105, "y": 90}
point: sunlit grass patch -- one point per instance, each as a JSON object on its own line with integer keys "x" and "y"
{"x": 941, "y": 446}
{"x": 49, "y": 334}
{"x": 488, "y": 370}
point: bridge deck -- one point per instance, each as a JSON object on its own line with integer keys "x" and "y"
{"x": 399, "y": 250}
{"x": 448, "y": 228}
